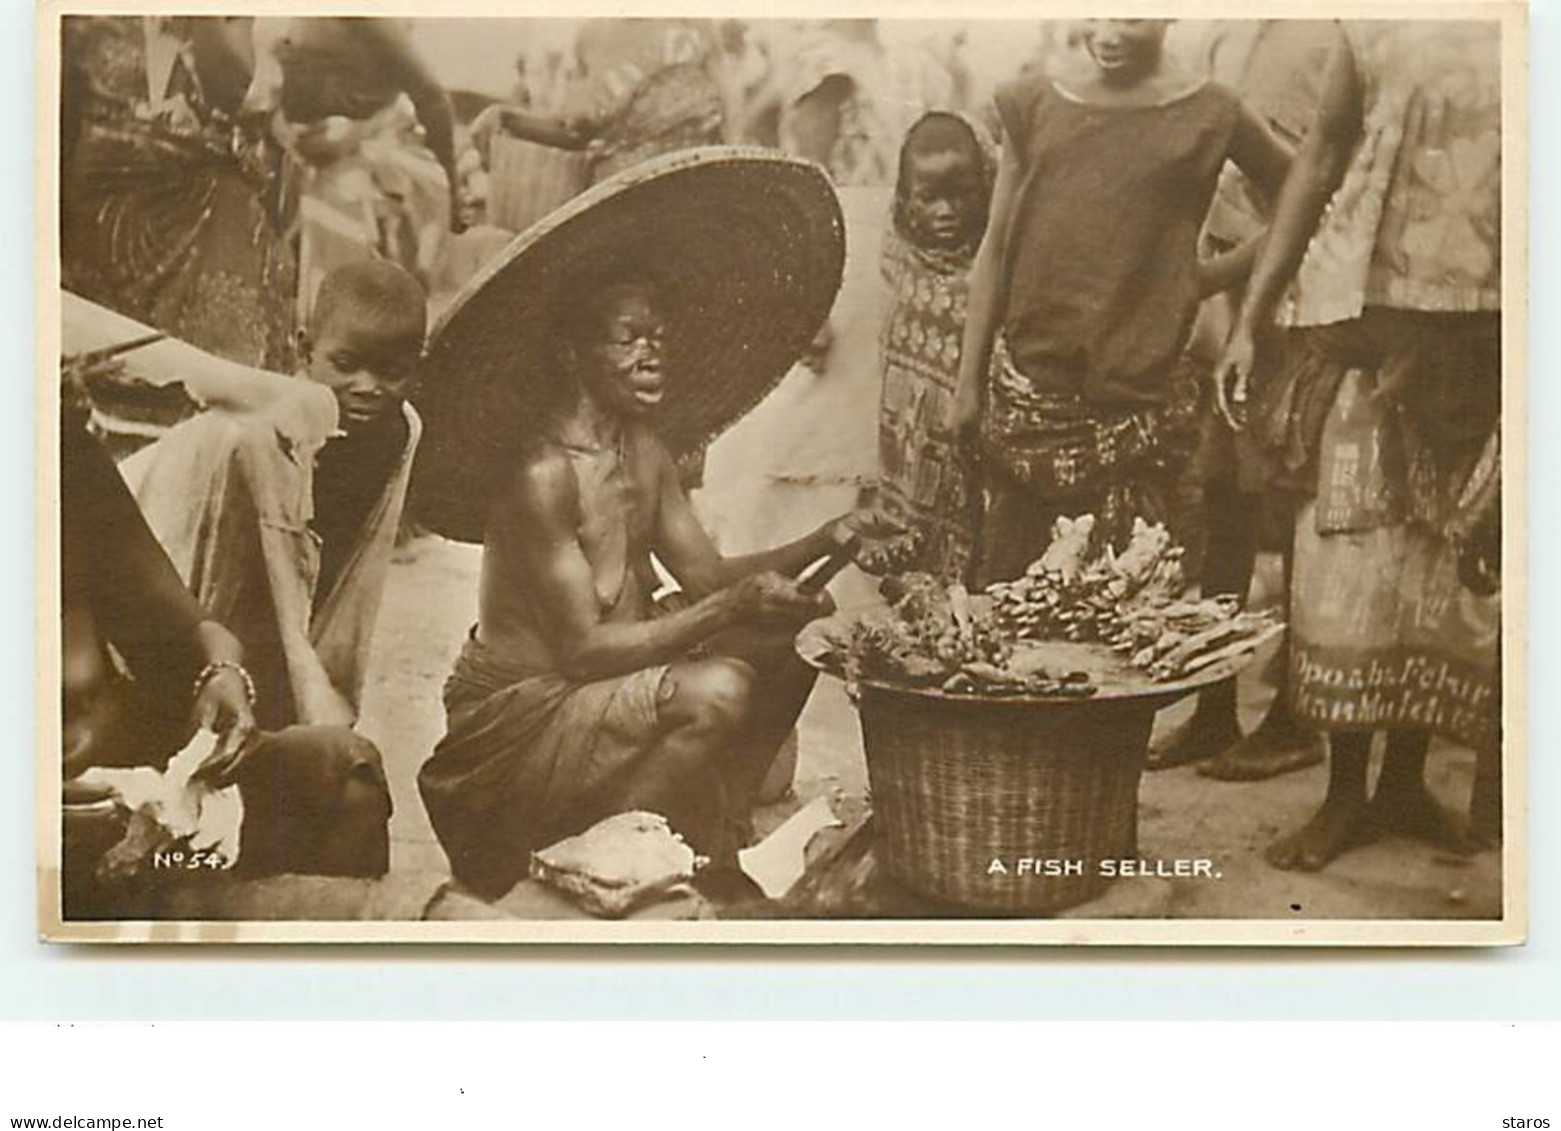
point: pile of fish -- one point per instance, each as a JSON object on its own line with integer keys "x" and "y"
{"x": 1132, "y": 602}
{"x": 992, "y": 643}
{"x": 933, "y": 635}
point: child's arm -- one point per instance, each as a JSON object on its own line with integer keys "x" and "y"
{"x": 983, "y": 299}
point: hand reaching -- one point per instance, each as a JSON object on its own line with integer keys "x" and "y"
{"x": 1232, "y": 379}
{"x": 964, "y": 419}
{"x": 222, "y": 705}
{"x": 772, "y": 599}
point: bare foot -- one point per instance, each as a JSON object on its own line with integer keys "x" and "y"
{"x": 1485, "y": 830}
{"x": 1485, "y": 800}
{"x": 1271, "y": 750}
{"x": 1200, "y": 738}
{"x": 1333, "y": 830}
{"x": 1413, "y": 812}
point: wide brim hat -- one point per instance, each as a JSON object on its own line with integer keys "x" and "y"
{"x": 745, "y": 249}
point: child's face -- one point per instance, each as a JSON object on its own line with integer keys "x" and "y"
{"x": 1124, "y": 50}
{"x": 943, "y": 202}
{"x": 367, "y": 360}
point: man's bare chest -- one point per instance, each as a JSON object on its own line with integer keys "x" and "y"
{"x": 616, "y": 519}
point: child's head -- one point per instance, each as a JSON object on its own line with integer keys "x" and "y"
{"x": 365, "y": 338}
{"x": 1124, "y": 51}
{"x": 943, "y": 191}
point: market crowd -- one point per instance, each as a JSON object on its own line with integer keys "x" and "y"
{"x": 1242, "y": 279}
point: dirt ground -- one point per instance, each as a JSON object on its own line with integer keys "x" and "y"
{"x": 430, "y": 604}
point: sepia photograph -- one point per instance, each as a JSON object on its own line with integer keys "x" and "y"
{"x": 673, "y": 478}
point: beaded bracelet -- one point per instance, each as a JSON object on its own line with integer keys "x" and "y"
{"x": 211, "y": 670}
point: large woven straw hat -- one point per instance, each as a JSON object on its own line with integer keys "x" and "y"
{"x": 745, "y": 248}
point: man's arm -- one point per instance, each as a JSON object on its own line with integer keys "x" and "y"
{"x": 1219, "y": 273}
{"x": 687, "y": 551}
{"x": 137, "y": 595}
{"x": 539, "y": 521}
{"x": 143, "y": 606}
{"x": 1260, "y": 154}
{"x": 1264, "y": 160}
{"x": 1314, "y": 175}
{"x": 554, "y": 132}
{"x": 427, "y": 95}
{"x": 1311, "y": 181}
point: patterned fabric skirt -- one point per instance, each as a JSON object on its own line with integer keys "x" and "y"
{"x": 926, "y": 489}
{"x": 1046, "y": 455}
{"x": 174, "y": 231}
{"x": 171, "y": 230}
{"x": 529, "y": 757}
{"x": 1389, "y": 631}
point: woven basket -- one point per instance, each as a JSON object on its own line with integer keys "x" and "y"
{"x": 526, "y": 181}
{"x": 959, "y": 783}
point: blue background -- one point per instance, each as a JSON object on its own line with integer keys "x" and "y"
{"x": 54, "y": 983}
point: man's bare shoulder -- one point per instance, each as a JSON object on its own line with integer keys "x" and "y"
{"x": 542, "y": 485}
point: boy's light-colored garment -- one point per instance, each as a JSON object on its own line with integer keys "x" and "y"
{"x": 231, "y": 495}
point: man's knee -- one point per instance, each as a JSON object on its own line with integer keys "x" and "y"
{"x": 316, "y": 801}
{"x": 714, "y": 695}
{"x": 321, "y": 762}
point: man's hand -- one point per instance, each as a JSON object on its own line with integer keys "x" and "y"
{"x": 485, "y": 125}
{"x": 221, "y": 767}
{"x": 772, "y": 599}
{"x": 583, "y": 128}
{"x": 965, "y": 415}
{"x": 1233, "y": 377}
{"x": 860, "y": 523}
{"x": 222, "y": 705}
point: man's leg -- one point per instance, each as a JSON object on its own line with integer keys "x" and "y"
{"x": 1280, "y": 744}
{"x": 315, "y": 802}
{"x": 782, "y": 684}
{"x": 1015, "y": 529}
{"x": 1230, "y": 521}
{"x": 702, "y": 707}
{"x": 1343, "y": 821}
{"x": 1485, "y": 802}
{"x": 1403, "y": 802}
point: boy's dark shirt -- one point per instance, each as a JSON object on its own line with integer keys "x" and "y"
{"x": 1101, "y": 256}
{"x": 350, "y": 476}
